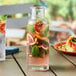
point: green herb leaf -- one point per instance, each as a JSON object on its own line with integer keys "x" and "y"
{"x": 46, "y": 52}
{"x": 46, "y": 31}
{"x": 35, "y": 51}
{"x": 40, "y": 55}
{"x": 30, "y": 28}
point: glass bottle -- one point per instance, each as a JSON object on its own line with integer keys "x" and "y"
{"x": 2, "y": 37}
{"x": 37, "y": 40}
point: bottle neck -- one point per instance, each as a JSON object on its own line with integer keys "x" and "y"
{"x": 38, "y": 12}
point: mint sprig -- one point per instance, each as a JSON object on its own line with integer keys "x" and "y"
{"x": 30, "y": 28}
{"x": 46, "y": 52}
{"x": 35, "y": 51}
{"x": 46, "y": 31}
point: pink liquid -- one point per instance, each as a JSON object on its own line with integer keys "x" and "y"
{"x": 37, "y": 61}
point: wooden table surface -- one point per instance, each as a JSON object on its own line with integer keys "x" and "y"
{"x": 60, "y": 65}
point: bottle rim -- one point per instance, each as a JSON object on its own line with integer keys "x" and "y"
{"x": 38, "y": 7}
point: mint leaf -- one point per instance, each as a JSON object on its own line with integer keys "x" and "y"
{"x": 46, "y": 31}
{"x": 30, "y": 28}
{"x": 35, "y": 51}
{"x": 46, "y": 52}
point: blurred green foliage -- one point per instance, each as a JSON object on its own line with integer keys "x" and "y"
{"x": 62, "y": 8}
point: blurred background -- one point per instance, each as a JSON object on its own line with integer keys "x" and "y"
{"x": 60, "y": 13}
{"x": 57, "y": 8}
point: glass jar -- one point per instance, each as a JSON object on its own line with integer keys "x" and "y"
{"x": 2, "y": 37}
{"x": 37, "y": 40}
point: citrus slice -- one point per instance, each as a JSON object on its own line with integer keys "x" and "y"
{"x": 45, "y": 47}
{"x": 37, "y": 33}
{"x": 70, "y": 41}
{"x": 31, "y": 40}
{"x": 41, "y": 38}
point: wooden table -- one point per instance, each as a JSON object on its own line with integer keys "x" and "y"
{"x": 60, "y": 65}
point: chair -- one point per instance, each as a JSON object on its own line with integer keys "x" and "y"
{"x": 15, "y": 9}
{"x": 14, "y": 25}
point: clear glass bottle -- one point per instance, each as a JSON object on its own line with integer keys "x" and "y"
{"x": 2, "y": 37}
{"x": 37, "y": 40}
